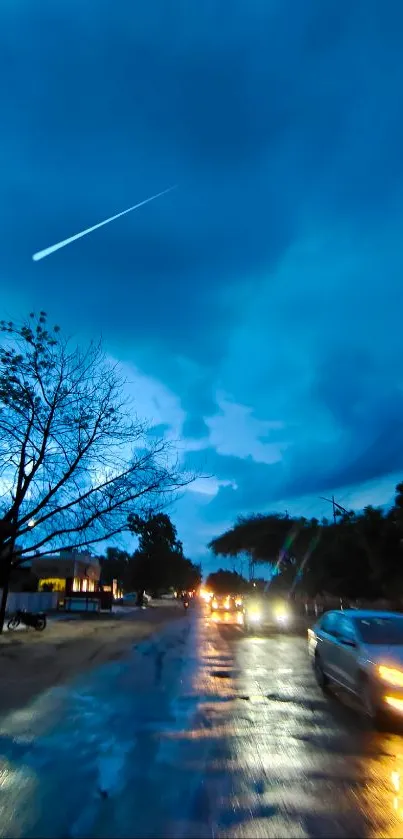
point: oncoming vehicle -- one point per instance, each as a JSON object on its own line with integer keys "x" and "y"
{"x": 225, "y": 603}
{"x": 267, "y": 614}
{"x": 362, "y": 652}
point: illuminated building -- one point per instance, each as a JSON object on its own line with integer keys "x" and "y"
{"x": 67, "y": 572}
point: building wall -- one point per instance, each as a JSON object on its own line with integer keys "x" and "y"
{"x": 73, "y": 571}
{"x": 32, "y": 601}
{"x": 52, "y": 584}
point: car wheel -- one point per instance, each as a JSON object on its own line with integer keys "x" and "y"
{"x": 321, "y": 677}
{"x": 369, "y": 702}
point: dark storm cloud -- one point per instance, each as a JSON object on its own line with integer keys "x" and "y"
{"x": 114, "y": 109}
{"x": 247, "y": 486}
{"x": 195, "y": 427}
{"x": 159, "y": 430}
{"x": 273, "y": 273}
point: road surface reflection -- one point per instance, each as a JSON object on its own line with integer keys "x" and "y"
{"x": 202, "y": 732}
{"x": 230, "y": 617}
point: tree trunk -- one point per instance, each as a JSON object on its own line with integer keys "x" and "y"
{"x": 6, "y": 587}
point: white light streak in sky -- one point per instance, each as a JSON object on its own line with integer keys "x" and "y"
{"x": 47, "y": 251}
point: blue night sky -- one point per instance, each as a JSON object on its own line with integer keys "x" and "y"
{"x": 258, "y": 308}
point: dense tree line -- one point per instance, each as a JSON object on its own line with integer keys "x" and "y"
{"x": 359, "y": 554}
{"x": 226, "y": 582}
{"x": 158, "y": 564}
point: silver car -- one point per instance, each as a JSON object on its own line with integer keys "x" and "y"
{"x": 361, "y": 651}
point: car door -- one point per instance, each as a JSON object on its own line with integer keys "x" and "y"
{"x": 345, "y": 665}
{"x": 327, "y": 643}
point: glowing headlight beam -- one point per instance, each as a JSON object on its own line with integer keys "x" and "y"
{"x": 391, "y": 675}
{"x": 282, "y": 618}
{"x": 47, "y": 251}
{"x": 395, "y": 703}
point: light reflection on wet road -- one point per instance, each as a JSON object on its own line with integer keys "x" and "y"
{"x": 201, "y": 733}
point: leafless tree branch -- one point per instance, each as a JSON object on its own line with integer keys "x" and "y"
{"x": 75, "y": 461}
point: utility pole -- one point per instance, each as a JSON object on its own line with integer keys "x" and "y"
{"x": 334, "y": 505}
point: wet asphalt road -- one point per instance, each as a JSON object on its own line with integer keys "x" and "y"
{"x": 201, "y": 732}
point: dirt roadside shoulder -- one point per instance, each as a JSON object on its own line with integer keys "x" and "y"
{"x": 31, "y": 662}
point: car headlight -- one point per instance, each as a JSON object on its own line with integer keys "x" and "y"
{"x": 391, "y": 675}
{"x": 282, "y": 615}
{"x": 254, "y": 615}
{"x": 395, "y": 703}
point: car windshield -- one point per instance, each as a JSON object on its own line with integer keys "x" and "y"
{"x": 380, "y": 630}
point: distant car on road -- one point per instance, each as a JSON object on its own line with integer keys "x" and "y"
{"x": 267, "y": 613}
{"x": 225, "y": 603}
{"x": 130, "y": 599}
{"x": 362, "y": 652}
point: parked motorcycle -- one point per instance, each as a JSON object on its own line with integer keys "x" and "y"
{"x": 36, "y": 621}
